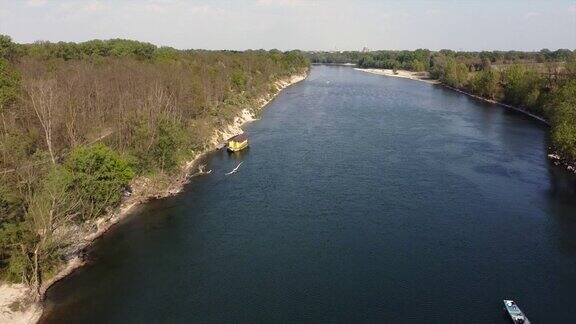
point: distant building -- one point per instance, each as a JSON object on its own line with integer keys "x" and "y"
{"x": 365, "y": 49}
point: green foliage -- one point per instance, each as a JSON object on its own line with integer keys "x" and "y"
{"x": 455, "y": 74}
{"x": 239, "y": 80}
{"x": 486, "y": 83}
{"x": 413, "y": 60}
{"x": 166, "y": 54}
{"x": 11, "y": 234}
{"x": 294, "y": 61}
{"x": 9, "y": 84}
{"x": 93, "y": 48}
{"x": 570, "y": 65}
{"x": 166, "y": 147}
{"x": 11, "y": 205}
{"x": 11, "y": 213}
{"x": 563, "y": 120}
{"x": 418, "y": 66}
{"x": 409, "y": 60}
{"x": 13, "y": 261}
{"x": 140, "y": 142}
{"x": 125, "y": 47}
{"x": 99, "y": 175}
{"x": 158, "y": 145}
{"x": 521, "y": 86}
{"x": 99, "y": 159}
{"x": 8, "y": 49}
{"x": 17, "y": 265}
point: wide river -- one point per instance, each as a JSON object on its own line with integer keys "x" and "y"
{"x": 362, "y": 198}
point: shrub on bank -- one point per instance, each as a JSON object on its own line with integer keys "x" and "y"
{"x": 563, "y": 120}
{"x": 99, "y": 175}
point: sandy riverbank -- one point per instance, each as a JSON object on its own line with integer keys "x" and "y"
{"x": 417, "y": 76}
{"x": 15, "y": 300}
{"x": 15, "y": 306}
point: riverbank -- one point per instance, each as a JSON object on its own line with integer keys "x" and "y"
{"x": 335, "y": 64}
{"x": 15, "y": 300}
{"x": 416, "y": 76}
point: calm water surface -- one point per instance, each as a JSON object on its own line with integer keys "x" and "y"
{"x": 362, "y": 198}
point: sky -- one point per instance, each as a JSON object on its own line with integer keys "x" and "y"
{"x": 299, "y": 24}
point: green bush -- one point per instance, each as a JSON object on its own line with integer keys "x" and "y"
{"x": 9, "y": 84}
{"x": 7, "y": 48}
{"x": 521, "y": 86}
{"x": 239, "y": 80}
{"x": 563, "y": 120}
{"x": 455, "y": 74}
{"x": 166, "y": 54}
{"x": 99, "y": 175}
{"x": 418, "y": 66}
{"x": 12, "y": 261}
{"x": 11, "y": 205}
{"x": 486, "y": 83}
{"x": 170, "y": 137}
{"x": 157, "y": 146}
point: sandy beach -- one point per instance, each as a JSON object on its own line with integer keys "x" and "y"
{"x": 418, "y": 76}
{"x": 15, "y": 300}
{"x": 15, "y": 306}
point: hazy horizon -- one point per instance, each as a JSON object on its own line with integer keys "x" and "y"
{"x": 299, "y": 24}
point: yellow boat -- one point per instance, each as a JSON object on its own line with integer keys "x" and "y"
{"x": 237, "y": 143}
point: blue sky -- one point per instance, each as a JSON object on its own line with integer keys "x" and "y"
{"x": 303, "y": 24}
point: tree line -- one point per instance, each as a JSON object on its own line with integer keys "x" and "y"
{"x": 80, "y": 121}
{"x": 420, "y": 59}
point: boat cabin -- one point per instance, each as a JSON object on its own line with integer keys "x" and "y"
{"x": 237, "y": 143}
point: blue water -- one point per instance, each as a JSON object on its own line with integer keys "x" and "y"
{"x": 362, "y": 198}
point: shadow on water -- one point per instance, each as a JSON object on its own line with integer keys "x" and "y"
{"x": 562, "y": 192}
{"x": 239, "y": 155}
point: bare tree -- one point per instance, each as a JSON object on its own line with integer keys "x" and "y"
{"x": 50, "y": 214}
{"x": 42, "y": 99}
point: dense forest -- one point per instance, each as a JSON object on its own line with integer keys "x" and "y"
{"x": 542, "y": 83}
{"x": 80, "y": 121}
{"x": 421, "y": 59}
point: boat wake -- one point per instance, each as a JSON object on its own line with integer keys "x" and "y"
{"x": 235, "y": 169}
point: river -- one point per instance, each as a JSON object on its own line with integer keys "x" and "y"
{"x": 362, "y": 198}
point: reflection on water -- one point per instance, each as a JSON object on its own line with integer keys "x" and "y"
{"x": 239, "y": 155}
{"x": 563, "y": 193}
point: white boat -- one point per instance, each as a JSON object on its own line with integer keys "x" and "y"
{"x": 515, "y": 313}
